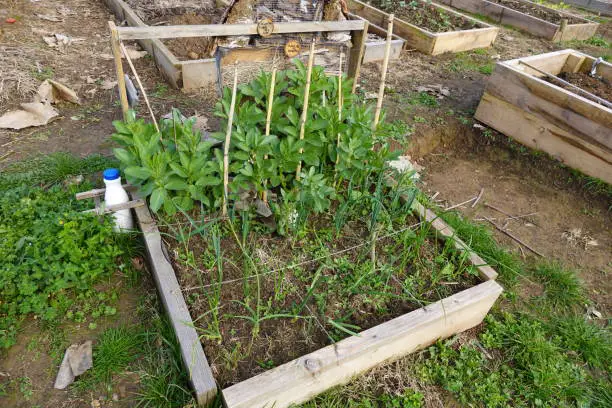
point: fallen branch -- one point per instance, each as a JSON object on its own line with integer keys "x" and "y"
{"x": 513, "y": 237}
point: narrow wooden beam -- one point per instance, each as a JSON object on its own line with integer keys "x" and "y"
{"x": 194, "y": 360}
{"x": 304, "y": 116}
{"x": 222, "y": 30}
{"x": 100, "y": 192}
{"x": 103, "y": 209}
{"x": 359, "y": 38}
{"x": 301, "y": 379}
{"x": 381, "y": 89}
{"x": 116, "y": 47}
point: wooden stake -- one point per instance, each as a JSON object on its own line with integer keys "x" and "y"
{"x": 381, "y": 89}
{"x": 339, "y": 108}
{"x": 228, "y": 135}
{"x": 144, "y": 94}
{"x": 115, "y": 46}
{"x": 355, "y": 58}
{"x": 305, "y": 104}
{"x": 264, "y": 194}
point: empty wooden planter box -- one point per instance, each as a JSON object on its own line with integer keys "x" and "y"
{"x": 520, "y": 103}
{"x": 577, "y": 28}
{"x": 305, "y": 377}
{"x": 425, "y": 41}
{"x": 194, "y": 74}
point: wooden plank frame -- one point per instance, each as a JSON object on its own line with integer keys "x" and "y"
{"x": 604, "y": 7}
{"x": 194, "y": 74}
{"x": 305, "y": 377}
{"x": 530, "y": 24}
{"x": 573, "y": 129}
{"x": 428, "y": 42}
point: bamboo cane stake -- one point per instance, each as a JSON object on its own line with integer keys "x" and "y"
{"x": 144, "y": 94}
{"x": 305, "y": 104}
{"x": 264, "y": 194}
{"x": 381, "y": 89}
{"x": 228, "y": 135}
{"x": 339, "y": 109}
{"x": 125, "y": 107}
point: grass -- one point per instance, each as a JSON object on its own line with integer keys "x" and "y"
{"x": 114, "y": 351}
{"x": 562, "y": 288}
{"x": 51, "y": 169}
{"x": 473, "y": 61}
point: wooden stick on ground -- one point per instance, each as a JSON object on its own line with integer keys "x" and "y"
{"x": 478, "y": 198}
{"x": 264, "y": 194}
{"x": 144, "y": 94}
{"x": 305, "y": 104}
{"x": 594, "y": 98}
{"x": 125, "y": 107}
{"x": 381, "y": 89}
{"x": 339, "y": 108}
{"x": 460, "y": 204}
{"x": 228, "y": 135}
{"x": 513, "y": 237}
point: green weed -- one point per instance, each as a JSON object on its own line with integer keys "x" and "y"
{"x": 562, "y": 289}
{"x": 591, "y": 342}
{"x": 115, "y": 350}
{"x": 475, "y": 61}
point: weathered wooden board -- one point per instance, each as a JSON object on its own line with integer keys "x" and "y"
{"x": 428, "y": 42}
{"x": 543, "y": 116}
{"x": 303, "y": 378}
{"x": 375, "y": 50}
{"x": 533, "y": 25}
{"x": 194, "y": 360}
{"x": 222, "y": 30}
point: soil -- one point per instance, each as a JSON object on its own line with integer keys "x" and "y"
{"x": 597, "y": 86}
{"x": 566, "y": 217}
{"x": 426, "y": 16}
{"x": 338, "y": 293}
{"x": 190, "y": 48}
{"x": 547, "y": 14}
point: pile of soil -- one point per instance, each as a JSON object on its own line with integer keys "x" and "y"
{"x": 595, "y": 85}
{"x": 424, "y": 15}
{"x": 547, "y": 14}
{"x": 194, "y": 47}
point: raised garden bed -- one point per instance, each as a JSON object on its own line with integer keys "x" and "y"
{"x": 339, "y": 271}
{"x": 428, "y": 27}
{"x": 604, "y": 7}
{"x": 541, "y": 21}
{"x": 187, "y": 62}
{"x": 546, "y": 115}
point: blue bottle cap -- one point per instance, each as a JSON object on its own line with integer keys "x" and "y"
{"x": 111, "y": 174}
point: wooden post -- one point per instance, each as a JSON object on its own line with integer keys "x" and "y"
{"x": 144, "y": 93}
{"x": 264, "y": 194}
{"x": 115, "y": 46}
{"x": 228, "y": 135}
{"x": 339, "y": 108}
{"x": 356, "y": 55}
{"x": 381, "y": 90}
{"x": 305, "y": 104}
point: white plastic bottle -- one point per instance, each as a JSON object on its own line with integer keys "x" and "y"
{"x": 115, "y": 194}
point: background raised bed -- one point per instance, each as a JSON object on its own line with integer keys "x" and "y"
{"x": 429, "y": 42}
{"x": 521, "y": 103}
{"x": 533, "y": 18}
